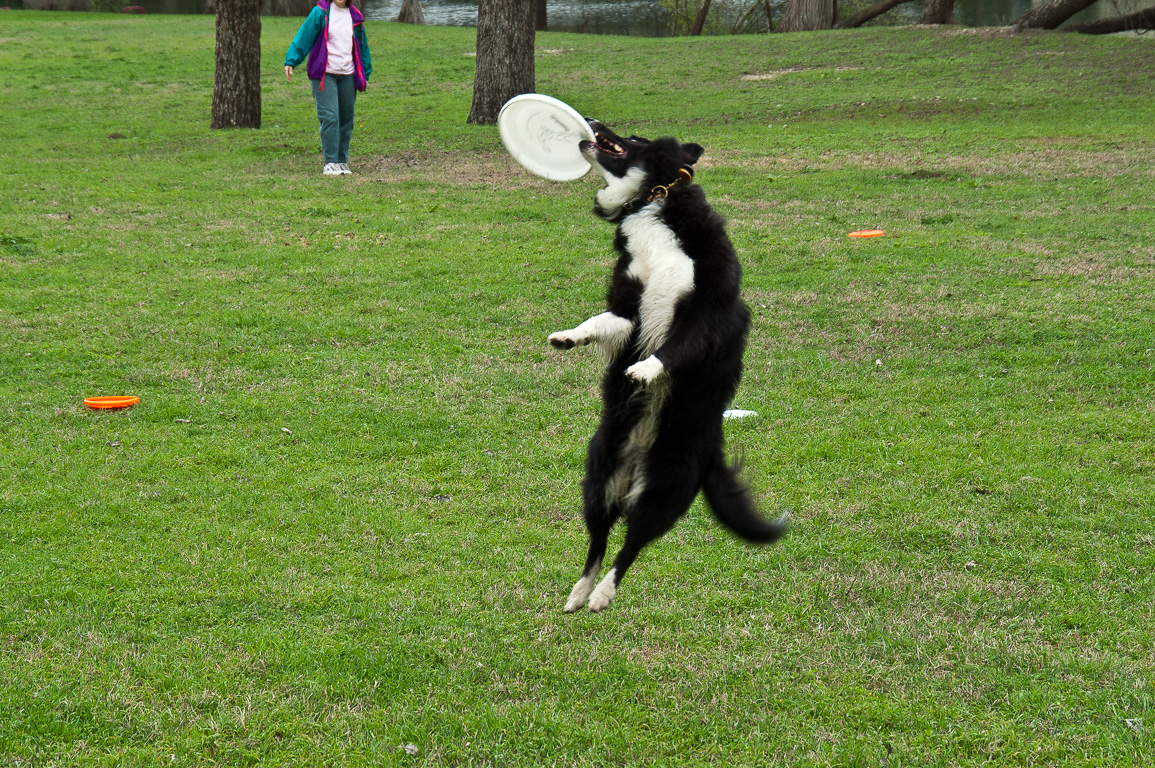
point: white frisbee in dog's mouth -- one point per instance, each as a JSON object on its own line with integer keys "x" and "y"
{"x": 542, "y": 133}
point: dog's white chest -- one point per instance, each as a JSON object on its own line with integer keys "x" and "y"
{"x": 665, "y": 272}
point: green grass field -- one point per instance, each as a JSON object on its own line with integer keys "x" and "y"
{"x": 344, "y": 517}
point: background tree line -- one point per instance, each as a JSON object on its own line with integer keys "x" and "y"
{"x": 505, "y": 39}
{"x": 696, "y": 17}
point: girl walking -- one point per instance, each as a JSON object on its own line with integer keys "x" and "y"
{"x": 333, "y": 37}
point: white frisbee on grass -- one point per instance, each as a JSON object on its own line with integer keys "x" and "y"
{"x": 542, "y": 133}
{"x": 738, "y": 413}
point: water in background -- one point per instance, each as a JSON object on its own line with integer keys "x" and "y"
{"x": 647, "y": 18}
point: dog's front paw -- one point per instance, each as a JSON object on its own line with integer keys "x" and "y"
{"x": 567, "y": 339}
{"x": 645, "y": 371}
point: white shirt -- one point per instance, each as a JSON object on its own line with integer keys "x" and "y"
{"x": 340, "y": 41}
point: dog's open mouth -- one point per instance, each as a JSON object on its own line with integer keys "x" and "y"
{"x": 609, "y": 146}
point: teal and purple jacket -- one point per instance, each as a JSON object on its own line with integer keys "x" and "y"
{"x": 312, "y": 40}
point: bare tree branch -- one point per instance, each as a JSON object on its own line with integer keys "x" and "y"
{"x": 1050, "y": 15}
{"x": 860, "y": 18}
{"x": 1144, "y": 19}
{"x": 700, "y": 20}
{"x": 755, "y": 6}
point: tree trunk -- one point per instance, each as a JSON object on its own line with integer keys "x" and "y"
{"x": 541, "y": 17}
{"x": 504, "y": 56}
{"x": 1050, "y": 15}
{"x": 411, "y": 12}
{"x": 865, "y": 15}
{"x": 237, "y": 83}
{"x": 700, "y": 19}
{"x": 1144, "y": 19}
{"x": 808, "y": 15}
{"x": 938, "y": 12}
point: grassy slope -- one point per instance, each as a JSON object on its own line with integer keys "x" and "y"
{"x": 344, "y": 516}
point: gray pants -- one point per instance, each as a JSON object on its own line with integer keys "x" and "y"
{"x": 335, "y": 113}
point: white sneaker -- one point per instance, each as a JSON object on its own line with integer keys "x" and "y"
{"x": 332, "y": 169}
{"x": 344, "y": 168}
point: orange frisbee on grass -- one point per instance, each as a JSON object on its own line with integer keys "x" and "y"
{"x": 111, "y": 402}
{"x": 867, "y": 233}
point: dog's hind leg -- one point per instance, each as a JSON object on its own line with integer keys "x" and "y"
{"x": 607, "y": 588}
{"x": 580, "y": 593}
{"x": 600, "y": 512}
{"x": 598, "y": 523}
{"x": 653, "y": 515}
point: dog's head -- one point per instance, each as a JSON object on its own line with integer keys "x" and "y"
{"x": 635, "y": 168}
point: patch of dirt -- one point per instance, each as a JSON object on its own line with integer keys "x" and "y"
{"x": 1048, "y": 158}
{"x": 991, "y": 32}
{"x": 773, "y": 73}
{"x": 1049, "y": 162}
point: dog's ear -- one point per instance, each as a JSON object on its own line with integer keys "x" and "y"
{"x": 692, "y": 152}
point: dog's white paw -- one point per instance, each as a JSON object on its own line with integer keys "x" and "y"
{"x": 645, "y": 371}
{"x": 580, "y": 594}
{"x": 604, "y": 594}
{"x": 568, "y": 339}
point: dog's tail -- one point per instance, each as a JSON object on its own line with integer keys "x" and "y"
{"x": 730, "y": 501}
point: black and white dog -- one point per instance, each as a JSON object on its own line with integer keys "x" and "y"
{"x": 673, "y": 333}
